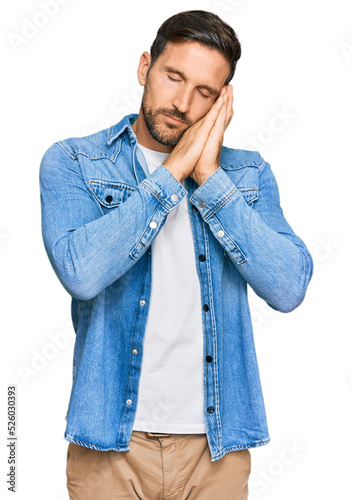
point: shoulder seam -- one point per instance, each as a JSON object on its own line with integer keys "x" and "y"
{"x": 65, "y": 150}
{"x": 73, "y": 158}
{"x": 260, "y": 167}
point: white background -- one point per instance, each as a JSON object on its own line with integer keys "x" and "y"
{"x": 76, "y": 74}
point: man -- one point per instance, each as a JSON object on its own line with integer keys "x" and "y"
{"x": 155, "y": 229}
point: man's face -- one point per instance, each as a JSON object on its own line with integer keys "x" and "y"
{"x": 180, "y": 88}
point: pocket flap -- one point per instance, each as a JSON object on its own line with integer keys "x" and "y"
{"x": 249, "y": 194}
{"x": 110, "y": 193}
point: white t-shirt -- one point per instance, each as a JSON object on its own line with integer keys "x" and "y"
{"x": 171, "y": 384}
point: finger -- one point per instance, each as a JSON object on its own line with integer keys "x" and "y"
{"x": 222, "y": 91}
{"x": 225, "y": 114}
{"x": 207, "y": 122}
{"x": 229, "y": 103}
{"x": 210, "y": 118}
{"x": 230, "y": 107}
{"x": 219, "y": 127}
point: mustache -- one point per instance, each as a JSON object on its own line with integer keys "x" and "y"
{"x": 175, "y": 114}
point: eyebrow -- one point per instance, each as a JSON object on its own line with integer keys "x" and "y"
{"x": 182, "y": 75}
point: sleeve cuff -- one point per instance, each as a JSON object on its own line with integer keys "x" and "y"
{"x": 213, "y": 193}
{"x": 165, "y": 187}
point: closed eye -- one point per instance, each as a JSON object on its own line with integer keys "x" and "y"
{"x": 173, "y": 79}
{"x": 177, "y": 80}
{"x": 204, "y": 95}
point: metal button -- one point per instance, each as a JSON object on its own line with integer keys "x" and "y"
{"x": 206, "y": 307}
{"x": 108, "y": 198}
{"x": 209, "y": 359}
{"x": 220, "y": 233}
{"x": 202, "y": 257}
{"x": 134, "y": 351}
{"x": 153, "y": 224}
{"x": 142, "y": 302}
{"x": 129, "y": 401}
{"x": 210, "y": 409}
{"x": 202, "y": 204}
{"x": 174, "y": 197}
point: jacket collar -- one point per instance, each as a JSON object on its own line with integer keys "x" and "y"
{"x": 125, "y": 124}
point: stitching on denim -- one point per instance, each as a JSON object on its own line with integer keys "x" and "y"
{"x": 92, "y": 196}
{"x": 220, "y": 203}
{"x": 215, "y": 377}
{"x": 238, "y": 167}
{"x": 99, "y": 157}
{"x": 255, "y": 444}
{"x": 74, "y": 155}
{"x": 117, "y": 185}
{"x": 244, "y": 258}
{"x": 248, "y": 163}
{"x": 260, "y": 168}
{"x": 133, "y": 330}
{"x": 246, "y": 190}
{"x": 73, "y": 440}
{"x": 65, "y": 150}
{"x": 153, "y": 191}
{"x": 140, "y": 242}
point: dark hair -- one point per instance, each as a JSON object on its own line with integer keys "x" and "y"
{"x": 199, "y": 26}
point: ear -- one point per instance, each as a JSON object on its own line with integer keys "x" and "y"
{"x": 144, "y": 63}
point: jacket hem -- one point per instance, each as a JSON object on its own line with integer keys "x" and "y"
{"x": 214, "y": 458}
{"x": 74, "y": 440}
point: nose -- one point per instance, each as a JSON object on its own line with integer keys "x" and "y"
{"x": 183, "y": 99}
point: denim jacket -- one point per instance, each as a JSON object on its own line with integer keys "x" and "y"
{"x": 101, "y": 210}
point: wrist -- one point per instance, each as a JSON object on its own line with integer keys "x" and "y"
{"x": 200, "y": 178}
{"x": 174, "y": 171}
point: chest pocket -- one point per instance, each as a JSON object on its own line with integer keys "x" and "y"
{"x": 110, "y": 194}
{"x": 249, "y": 194}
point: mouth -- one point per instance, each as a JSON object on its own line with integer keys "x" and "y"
{"x": 175, "y": 120}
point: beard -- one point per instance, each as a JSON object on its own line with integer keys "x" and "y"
{"x": 167, "y": 134}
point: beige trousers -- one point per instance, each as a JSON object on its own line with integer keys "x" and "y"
{"x": 177, "y": 467}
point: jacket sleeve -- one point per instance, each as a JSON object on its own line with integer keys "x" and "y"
{"x": 259, "y": 241}
{"x": 87, "y": 249}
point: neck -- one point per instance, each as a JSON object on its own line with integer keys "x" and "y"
{"x": 144, "y": 138}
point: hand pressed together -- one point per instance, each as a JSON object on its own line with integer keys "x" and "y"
{"x": 197, "y": 154}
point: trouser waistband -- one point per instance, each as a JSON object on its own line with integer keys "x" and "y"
{"x": 156, "y": 434}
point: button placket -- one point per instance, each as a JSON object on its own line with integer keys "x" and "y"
{"x": 210, "y": 391}
{"x": 200, "y": 236}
